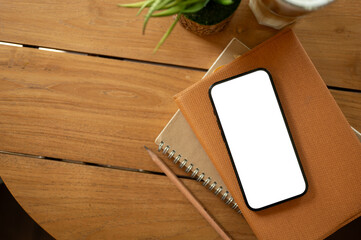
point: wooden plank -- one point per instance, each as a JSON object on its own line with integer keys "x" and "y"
{"x": 85, "y": 108}
{"x": 330, "y": 36}
{"x": 350, "y": 104}
{"x": 73, "y": 201}
{"x": 92, "y": 109}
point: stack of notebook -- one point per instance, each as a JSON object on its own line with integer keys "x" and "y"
{"x": 179, "y": 143}
{"x": 329, "y": 150}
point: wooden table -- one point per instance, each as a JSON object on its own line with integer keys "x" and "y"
{"x": 89, "y": 111}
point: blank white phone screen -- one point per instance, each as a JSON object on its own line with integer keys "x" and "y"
{"x": 258, "y": 140}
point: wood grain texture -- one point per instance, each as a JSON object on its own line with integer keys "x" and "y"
{"x": 85, "y": 108}
{"x": 331, "y": 36}
{"x": 350, "y": 104}
{"x": 73, "y": 201}
{"x": 93, "y": 109}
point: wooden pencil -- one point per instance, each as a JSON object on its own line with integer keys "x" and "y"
{"x": 179, "y": 184}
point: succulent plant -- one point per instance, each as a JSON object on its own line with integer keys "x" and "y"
{"x": 165, "y": 8}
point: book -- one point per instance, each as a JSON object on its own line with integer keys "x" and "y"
{"x": 179, "y": 143}
{"x": 329, "y": 150}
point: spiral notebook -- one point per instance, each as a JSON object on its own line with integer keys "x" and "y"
{"x": 180, "y": 144}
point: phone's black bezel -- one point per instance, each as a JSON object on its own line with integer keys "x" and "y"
{"x": 288, "y": 130}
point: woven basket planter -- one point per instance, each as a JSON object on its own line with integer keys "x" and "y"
{"x": 210, "y": 20}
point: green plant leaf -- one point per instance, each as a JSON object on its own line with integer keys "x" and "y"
{"x": 163, "y": 3}
{"x": 145, "y": 4}
{"x": 165, "y": 36}
{"x": 194, "y": 8}
{"x": 168, "y": 12}
{"x": 182, "y": 6}
{"x": 224, "y": 2}
{"x": 150, "y": 12}
{"x": 163, "y": 8}
{"x": 171, "y": 4}
{"x": 132, "y": 5}
{"x": 190, "y": 2}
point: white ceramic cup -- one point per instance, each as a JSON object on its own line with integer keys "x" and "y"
{"x": 280, "y": 13}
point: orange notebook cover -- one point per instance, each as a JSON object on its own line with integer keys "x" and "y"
{"x": 329, "y": 151}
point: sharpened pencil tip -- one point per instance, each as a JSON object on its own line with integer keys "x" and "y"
{"x": 146, "y": 147}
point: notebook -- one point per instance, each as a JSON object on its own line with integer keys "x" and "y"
{"x": 179, "y": 143}
{"x": 178, "y": 136}
{"x": 329, "y": 150}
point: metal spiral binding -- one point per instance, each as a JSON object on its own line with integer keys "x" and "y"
{"x": 195, "y": 172}
{"x": 206, "y": 181}
{"x": 224, "y": 196}
{"x": 166, "y": 149}
{"x": 177, "y": 159}
{"x": 189, "y": 168}
{"x": 219, "y": 189}
{"x": 199, "y": 177}
{"x": 183, "y": 163}
{"x": 171, "y": 154}
{"x": 229, "y": 201}
{"x": 212, "y": 186}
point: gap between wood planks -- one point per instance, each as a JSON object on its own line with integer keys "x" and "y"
{"x": 102, "y": 56}
{"x": 140, "y": 61}
{"x": 90, "y": 164}
{"x": 121, "y": 59}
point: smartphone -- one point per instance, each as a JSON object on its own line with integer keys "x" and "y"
{"x": 258, "y": 139}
